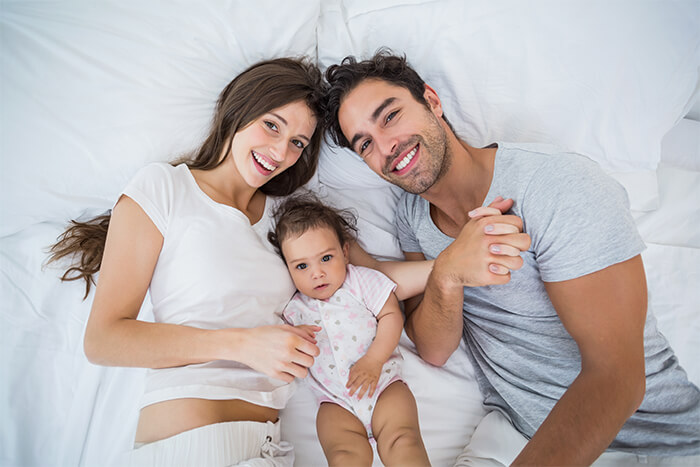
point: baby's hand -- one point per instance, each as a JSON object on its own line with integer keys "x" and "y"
{"x": 363, "y": 377}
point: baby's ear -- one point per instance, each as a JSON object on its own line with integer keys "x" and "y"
{"x": 346, "y": 252}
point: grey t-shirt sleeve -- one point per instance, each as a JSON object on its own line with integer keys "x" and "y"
{"x": 579, "y": 224}
{"x": 404, "y": 212}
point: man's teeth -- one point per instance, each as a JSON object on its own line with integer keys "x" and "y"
{"x": 262, "y": 162}
{"x": 404, "y": 162}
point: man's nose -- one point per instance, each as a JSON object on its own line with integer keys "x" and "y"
{"x": 387, "y": 144}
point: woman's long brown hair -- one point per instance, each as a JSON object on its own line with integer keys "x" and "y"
{"x": 261, "y": 88}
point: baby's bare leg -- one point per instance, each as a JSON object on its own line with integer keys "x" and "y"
{"x": 343, "y": 437}
{"x": 395, "y": 427}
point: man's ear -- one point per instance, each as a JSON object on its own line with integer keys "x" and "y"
{"x": 433, "y": 100}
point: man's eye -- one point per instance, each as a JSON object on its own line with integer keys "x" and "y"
{"x": 391, "y": 116}
{"x": 298, "y": 143}
{"x": 364, "y": 145}
{"x": 301, "y": 266}
{"x": 326, "y": 258}
{"x": 271, "y": 125}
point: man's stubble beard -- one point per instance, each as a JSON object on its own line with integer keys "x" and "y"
{"x": 434, "y": 148}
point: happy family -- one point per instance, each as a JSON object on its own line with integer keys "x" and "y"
{"x": 530, "y": 257}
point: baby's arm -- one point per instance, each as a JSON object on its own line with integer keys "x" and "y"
{"x": 364, "y": 374}
{"x": 410, "y": 276}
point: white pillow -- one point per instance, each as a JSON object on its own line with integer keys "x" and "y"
{"x": 92, "y": 91}
{"x": 605, "y": 79}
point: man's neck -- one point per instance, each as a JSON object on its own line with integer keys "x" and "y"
{"x": 464, "y": 185}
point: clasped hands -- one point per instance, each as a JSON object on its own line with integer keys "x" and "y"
{"x": 486, "y": 250}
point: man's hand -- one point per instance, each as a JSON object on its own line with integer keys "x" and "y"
{"x": 485, "y": 251}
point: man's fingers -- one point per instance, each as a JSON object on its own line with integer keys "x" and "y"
{"x": 501, "y": 273}
{"x": 503, "y": 249}
{"x": 484, "y": 211}
{"x": 521, "y": 241}
{"x": 503, "y": 205}
{"x": 498, "y": 228}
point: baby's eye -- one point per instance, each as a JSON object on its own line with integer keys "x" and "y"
{"x": 391, "y": 116}
{"x": 301, "y": 266}
{"x": 298, "y": 143}
{"x": 271, "y": 125}
{"x": 326, "y": 258}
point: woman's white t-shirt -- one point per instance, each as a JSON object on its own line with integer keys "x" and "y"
{"x": 215, "y": 271}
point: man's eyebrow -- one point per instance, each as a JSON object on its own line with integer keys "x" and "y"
{"x": 382, "y": 106}
{"x": 375, "y": 115}
{"x": 285, "y": 122}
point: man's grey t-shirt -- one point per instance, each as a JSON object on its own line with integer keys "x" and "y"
{"x": 579, "y": 221}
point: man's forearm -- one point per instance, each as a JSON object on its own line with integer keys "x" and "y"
{"x": 585, "y": 420}
{"x": 435, "y": 325}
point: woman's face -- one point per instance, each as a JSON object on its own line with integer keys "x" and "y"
{"x": 272, "y": 143}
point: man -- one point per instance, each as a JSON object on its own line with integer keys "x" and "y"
{"x": 562, "y": 344}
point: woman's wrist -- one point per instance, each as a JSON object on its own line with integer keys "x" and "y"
{"x": 227, "y": 343}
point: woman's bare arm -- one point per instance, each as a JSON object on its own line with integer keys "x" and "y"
{"x": 115, "y": 337}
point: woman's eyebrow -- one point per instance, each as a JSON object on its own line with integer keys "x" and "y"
{"x": 286, "y": 124}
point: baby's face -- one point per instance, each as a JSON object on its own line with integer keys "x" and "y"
{"x": 316, "y": 260}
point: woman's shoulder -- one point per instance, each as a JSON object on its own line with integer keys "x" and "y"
{"x": 159, "y": 174}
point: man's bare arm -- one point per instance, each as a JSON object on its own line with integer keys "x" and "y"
{"x": 434, "y": 323}
{"x": 605, "y": 313}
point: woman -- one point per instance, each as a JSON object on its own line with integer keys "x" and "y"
{"x": 193, "y": 235}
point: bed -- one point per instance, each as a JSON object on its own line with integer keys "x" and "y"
{"x": 92, "y": 91}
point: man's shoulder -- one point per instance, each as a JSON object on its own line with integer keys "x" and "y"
{"x": 545, "y": 157}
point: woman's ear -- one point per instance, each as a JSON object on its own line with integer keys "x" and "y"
{"x": 433, "y": 100}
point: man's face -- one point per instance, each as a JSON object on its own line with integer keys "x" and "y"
{"x": 398, "y": 137}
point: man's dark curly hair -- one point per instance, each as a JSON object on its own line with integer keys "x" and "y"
{"x": 344, "y": 77}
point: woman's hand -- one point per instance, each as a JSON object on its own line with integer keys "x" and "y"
{"x": 363, "y": 377}
{"x": 281, "y": 351}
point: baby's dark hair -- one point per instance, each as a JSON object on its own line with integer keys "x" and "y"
{"x": 302, "y": 212}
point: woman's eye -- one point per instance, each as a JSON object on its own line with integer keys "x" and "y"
{"x": 326, "y": 258}
{"x": 391, "y": 116}
{"x": 271, "y": 125}
{"x": 298, "y": 143}
{"x": 301, "y": 266}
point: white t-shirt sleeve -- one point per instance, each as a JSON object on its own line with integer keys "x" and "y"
{"x": 371, "y": 286}
{"x": 152, "y": 189}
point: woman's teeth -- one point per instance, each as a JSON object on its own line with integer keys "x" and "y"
{"x": 404, "y": 162}
{"x": 262, "y": 162}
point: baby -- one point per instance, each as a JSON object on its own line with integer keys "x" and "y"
{"x": 357, "y": 376}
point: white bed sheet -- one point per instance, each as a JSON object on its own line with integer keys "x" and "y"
{"x": 59, "y": 409}
{"x": 93, "y": 91}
